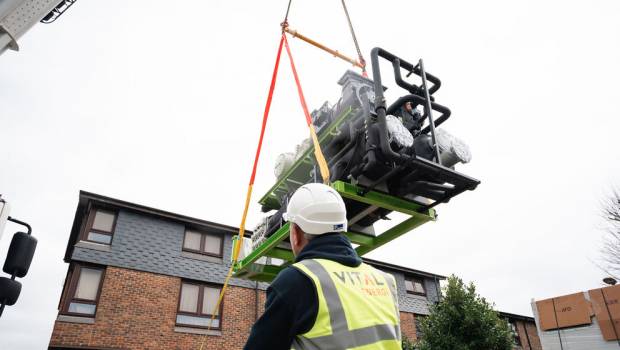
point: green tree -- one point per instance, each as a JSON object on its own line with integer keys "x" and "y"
{"x": 464, "y": 321}
{"x": 408, "y": 344}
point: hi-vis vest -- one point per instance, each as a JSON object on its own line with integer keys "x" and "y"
{"x": 358, "y": 308}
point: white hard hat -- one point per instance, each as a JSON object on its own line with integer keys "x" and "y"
{"x": 317, "y": 209}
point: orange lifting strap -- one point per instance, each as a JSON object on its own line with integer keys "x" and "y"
{"x": 324, "y": 170}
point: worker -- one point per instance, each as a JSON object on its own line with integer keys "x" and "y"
{"x": 412, "y": 118}
{"x": 329, "y": 298}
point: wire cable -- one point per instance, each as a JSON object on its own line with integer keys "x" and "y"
{"x": 357, "y": 45}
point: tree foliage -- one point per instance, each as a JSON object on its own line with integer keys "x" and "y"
{"x": 408, "y": 344}
{"x": 611, "y": 245}
{"x": 463, "y": 320}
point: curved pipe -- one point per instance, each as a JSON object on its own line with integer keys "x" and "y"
{"x": 445, "y": 112}
{"x": 20, "y": 223}
{"x": 398, "y": 63}
{"x": 380, "y": 103}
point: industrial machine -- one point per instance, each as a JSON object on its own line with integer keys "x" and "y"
{"x": 382, "y": 158}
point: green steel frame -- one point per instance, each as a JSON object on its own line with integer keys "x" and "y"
{"x": 250, "y": 267}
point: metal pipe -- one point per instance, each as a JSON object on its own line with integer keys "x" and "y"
{"x": 613, "y": 324}
{"x": 409, "y": 67}
{"x": 555, "y": 315}
{"x": 429, "y": 112}
{"x": 380, "y": 103}
{"x": 382, "y": 179}
{"x": 296, "y": 34}
{"x": 21, "y": 223}
{"x": 256, "y": 294}
{"x": 445, "y": 111}
{"x": 527, "y": 336}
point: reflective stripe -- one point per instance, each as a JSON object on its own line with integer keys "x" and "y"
{"x": 341, "y": 337}
{"x": 349, "y": 339}
{"x": 337, "y": 318}
{"x": 392, "y": 285}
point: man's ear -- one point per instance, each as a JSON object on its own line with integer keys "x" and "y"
{"x": 293, "y": 234}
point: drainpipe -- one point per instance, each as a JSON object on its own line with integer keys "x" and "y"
{"x": 527, "y": 336}
{"x": 256, "y": 300}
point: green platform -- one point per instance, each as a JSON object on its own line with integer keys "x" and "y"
{"x": 248, "y": 267}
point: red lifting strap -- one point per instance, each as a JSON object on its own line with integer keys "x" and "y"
{"x": 257, "y": 156}
{"x": 267, "y": 107}
{"x": 318, "y": 154}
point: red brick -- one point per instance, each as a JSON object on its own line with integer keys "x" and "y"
{"x": 137, "y": 310}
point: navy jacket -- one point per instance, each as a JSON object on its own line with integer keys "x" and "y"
{"x": 292, "y": 304}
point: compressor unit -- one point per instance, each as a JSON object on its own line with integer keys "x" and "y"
{"x": 381, "y": 159}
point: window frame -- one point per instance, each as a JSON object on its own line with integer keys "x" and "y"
{"x": 417, "y": 324}
{"x": 92, "y": 212}
{"x": 198, "y": 313}
{"x": 413, "y": 279}
{"x": 202, "y": 250}
{"x": 69, "y": 296}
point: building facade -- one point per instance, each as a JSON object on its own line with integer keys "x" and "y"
{"x": 523, "y": 331}
{"x": 143, "y": 278}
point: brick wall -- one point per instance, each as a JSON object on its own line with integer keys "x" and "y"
{"x": 137, "y": 310}
{"x": 407, "y": 326}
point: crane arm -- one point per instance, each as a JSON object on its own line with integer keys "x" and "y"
{"x": 18, "y": 16}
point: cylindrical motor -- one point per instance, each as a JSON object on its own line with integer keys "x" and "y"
{"x": 451, "y": 149}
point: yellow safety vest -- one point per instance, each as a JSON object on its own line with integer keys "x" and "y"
{"x": 358, "y": 308}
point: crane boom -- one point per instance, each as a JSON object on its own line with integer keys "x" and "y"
{"x": 18, "y": 16}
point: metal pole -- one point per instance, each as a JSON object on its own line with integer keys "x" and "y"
{"x": 555, "y": 315}
{"x": 21, "y": 223}
{"x": 527, "y": 336}
{"x": 609, "y": 314}
{"x": 429, "y": 111}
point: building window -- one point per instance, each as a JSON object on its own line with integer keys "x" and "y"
{"x": 100, "y": 226}
{"x": 196, "y": 304}
{"x": 84, "y": 290}
{"x": 515, "y": 332}
{"x": 203, "y": 243}
{"x": 418, "y": 326}
{"x": 415, "y": 286}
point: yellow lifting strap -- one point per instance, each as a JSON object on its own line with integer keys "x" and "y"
{"x": 322, "y": 163}
{"x": 320, "y": 158}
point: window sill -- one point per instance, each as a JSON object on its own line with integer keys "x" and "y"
{"x": 202, "y": 257}
{"x": 76, "y": 319}
{"x": 191, "y": 330}
{"x": 94, "y": 246}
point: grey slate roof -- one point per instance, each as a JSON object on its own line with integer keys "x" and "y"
{"x": 148, "y": 239}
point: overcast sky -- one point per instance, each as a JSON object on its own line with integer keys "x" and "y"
{"x": 160, "y": 103}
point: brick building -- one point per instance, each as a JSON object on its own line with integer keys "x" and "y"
{"x": 524, "y": 331}
{"x": 143, "y": 278}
